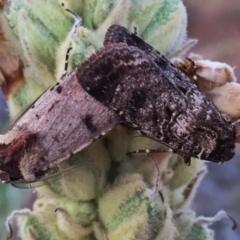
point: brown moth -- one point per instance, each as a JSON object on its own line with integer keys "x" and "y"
{"x": 63, "y": 121}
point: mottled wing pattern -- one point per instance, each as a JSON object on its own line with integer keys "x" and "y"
{"x": 147, "y": 91}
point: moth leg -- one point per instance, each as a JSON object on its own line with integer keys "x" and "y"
{"x": 186, "y": 159}
{"x": 147, "y": 151}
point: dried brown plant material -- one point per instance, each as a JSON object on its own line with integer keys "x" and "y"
{"x": 11, "y": 68}
{"x": 2, "y": 2}
{"x": 205, "y": 73}
{"x": 227, "y": 99}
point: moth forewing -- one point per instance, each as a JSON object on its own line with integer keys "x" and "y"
{"x": 62, "y": 122}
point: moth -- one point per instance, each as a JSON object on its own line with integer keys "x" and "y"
{"x": 127, "y": 82}
{"x": 151, "y": 95}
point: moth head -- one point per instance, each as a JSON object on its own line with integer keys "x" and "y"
{"x": 14, "y": 145}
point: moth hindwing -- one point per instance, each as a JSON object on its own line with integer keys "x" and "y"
{"x": 62, "y": 122}
{"x": 150, "y": 94}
